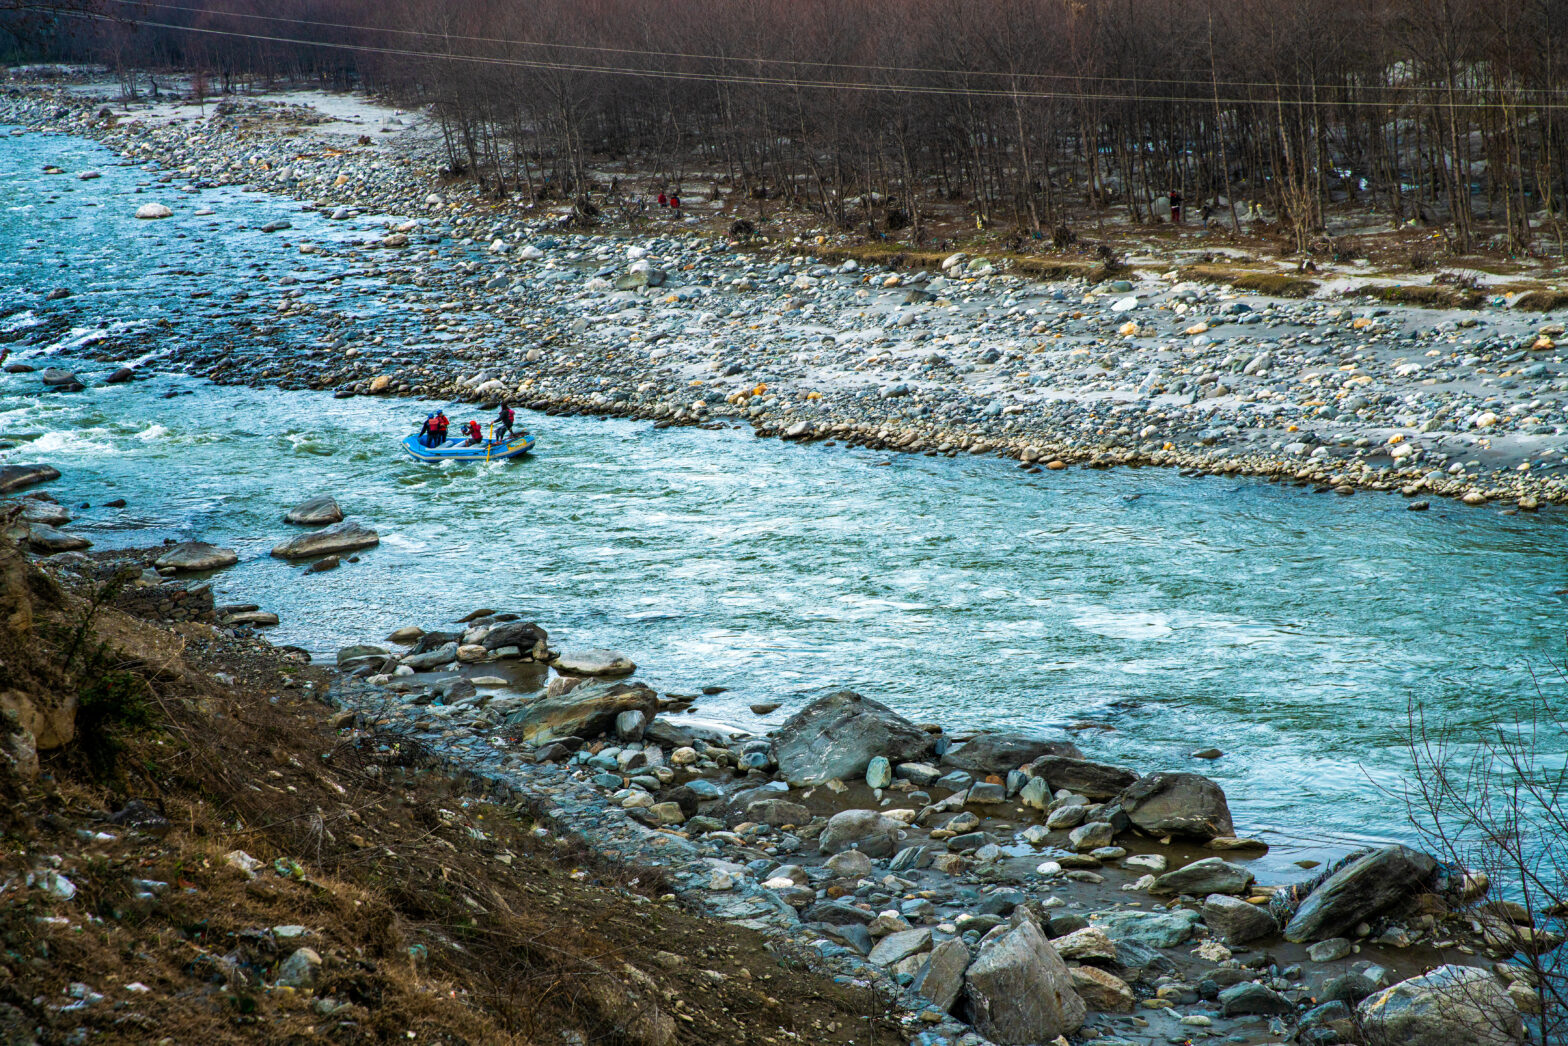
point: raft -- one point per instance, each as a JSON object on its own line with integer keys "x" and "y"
{"x": 454, "y": 450}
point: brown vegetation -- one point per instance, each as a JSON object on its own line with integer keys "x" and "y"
{"x": 439, "y": 916}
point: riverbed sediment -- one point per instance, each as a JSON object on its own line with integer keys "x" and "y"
{"x": 664, "y": 324}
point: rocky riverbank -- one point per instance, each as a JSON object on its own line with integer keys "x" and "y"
{"x": 966, "y": 357}
{"x": 988, "y": 887}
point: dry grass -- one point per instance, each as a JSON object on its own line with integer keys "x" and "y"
{"x": 1428, "y": 296}
{"x": 440, "y": 916}
{"x": 1542, "y": 301}
{"x": 1279, "y": 284}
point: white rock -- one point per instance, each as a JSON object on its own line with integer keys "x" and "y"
{"x": 153, "y": 210}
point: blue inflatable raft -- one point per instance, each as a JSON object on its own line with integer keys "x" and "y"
{"x": 454, "y": 449}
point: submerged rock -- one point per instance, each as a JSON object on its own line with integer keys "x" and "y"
{"x": 196, "y": 555}
{"x": 343, "y": 537}
{"x": 837, "y": 736}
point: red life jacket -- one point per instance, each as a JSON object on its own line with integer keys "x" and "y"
{"x": 507, "y": 415}
{"x": 473, "y": 430}
{"x": 439, "y": 424}
{"x": 675, "y": 201}
{"x": 663, "y": 199}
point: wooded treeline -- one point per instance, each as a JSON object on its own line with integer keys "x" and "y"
{"x": 1454, "y": 112}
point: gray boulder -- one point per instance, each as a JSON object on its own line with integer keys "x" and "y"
{"x": 896, "y": 947}
{"x": 1020, "y": 991}
{"x": 863, "y": 830}
{"x": 435, "y": 657}
{"x": 1210, "y": 875}
{"x": 594, "y": 663}
{"x": 58, "y": 378}
{"x": 1450, "y": 1005}
{"x": 15, "y": 477}
{"x": 585, "y": 711}
{"x": 526, "y": 636}
{"x": 837, "y": 736}
{"x": 1359, "y": 892}
{"x": 315, "y": 512}
{"x": 1178, "y": 804}
{"x": 300, "y": 969}
{"x": 1250, "y": 997}
{"x": 1151, "y": 929}
{"x": 1234, "y": 921}
{"x": 777, "y": 812}
{"x": 196, "y": 555}
{"x": 1086, "y": 778}
{"x": 941, "y": 979}
{"x": 341, "y": 537}
{"x": 995, "y": 753}
{"x": 47, "y": 540}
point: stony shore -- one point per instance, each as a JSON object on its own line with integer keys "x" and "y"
{"x": 994, "y": 887}
{"x": 662, "y": 323}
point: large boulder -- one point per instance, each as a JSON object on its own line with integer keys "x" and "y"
{"x": 1201, "y": 878}
{"x": 941, "y": 979}
{"x": 47, "y": 540}
{"x": 777, "y": 812}
{"x": 1020, "y": 991}
{"x": 15, "y": 477}
{"x": 341, "y": 537}
{"x": 315, "y": 511}
{"x": 1178, "y": 804}
{"x": 837, "y": 736}
{"x": 1151, "y": 929}
{"x": 1086, "y": 778}
{"x": 1234, "y": 921}
{"x": 526, "y": 636}
{"x": 50, "y": 718}
{"x": 996, "y": 753}
{"x": 195, "y": 555}
{"x": 586, "y": 711}
{"x": 1359, "y": 892}
{"x": 1450, "y": 1005}
{"x": 865, "y": 830}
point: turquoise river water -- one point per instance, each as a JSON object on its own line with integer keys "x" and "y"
{"x": 1150, "y": 613}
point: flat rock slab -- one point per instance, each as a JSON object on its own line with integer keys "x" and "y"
{"x": 315, "y": 512}
{"x": 15, "y": 477}
{"x": 342, "y": 537}
{"x": 45, "y": 512}
{"x": 46, "y": 539}
{"x": 586, "y": 711}
{"x": 594, "y": 663}
{"x": 251, "y": 617}
{"x": 196, "y": 555}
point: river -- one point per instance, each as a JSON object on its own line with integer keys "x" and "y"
{"x": 1150, "y": 614}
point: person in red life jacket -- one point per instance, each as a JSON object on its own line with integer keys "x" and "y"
{"x": 442, "y": 423}
{"x": 471, "y": 430}
{"x": 503, "y": 422}
{"x": 433, "y": 433}
{"x": 675, "y": 206}
{"x": 664, "y": 201}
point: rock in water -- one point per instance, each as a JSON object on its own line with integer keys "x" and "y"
{"x": 1178, "y": 804}
{"x": 1450, "y": 1005}
{"x": 1085, "y": 778}
{"x": 58, "y": 378}
{"x": 315, "y": 511}
{"x": 120, "y": 376}
{"x": 1020, "y": 991}
{"x": 989, "y": 753}
{"x": 586, "y": 711}
{"x": 196, "y": 555}
{"x": 153, "y": 210}
{"x": 1359, "y": 892}
{"x": 594, "y": 663}
{"x": 837, "y": 736}
{"x": 343, "y": 537}
{"x": 15, "y": 477}
{"x": 46, "y": 539}
{"x": 527, "y": 637}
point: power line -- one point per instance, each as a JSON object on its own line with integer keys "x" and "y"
{"x": 1204, "y": 84}
{"x": 796, "y": 83}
